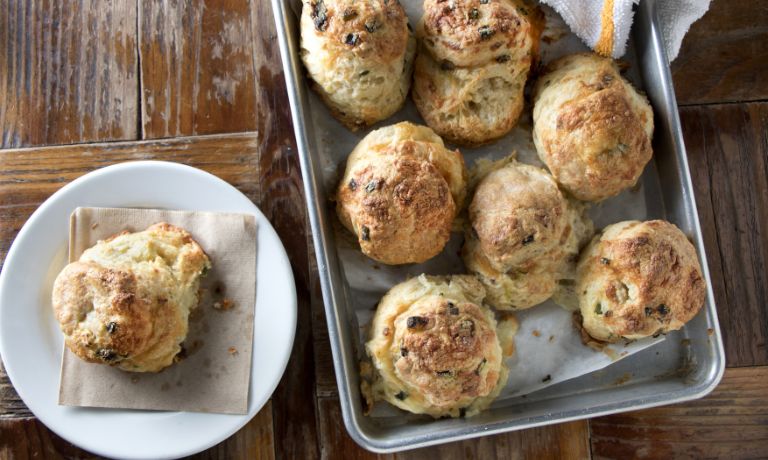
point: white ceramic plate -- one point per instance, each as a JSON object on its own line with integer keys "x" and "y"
{"x": 31, "y": 343}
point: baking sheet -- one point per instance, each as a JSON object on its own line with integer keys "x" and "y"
{"x": 554, "y": 355}
{"x": 687, "y": 365}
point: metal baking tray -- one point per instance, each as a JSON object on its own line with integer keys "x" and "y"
{"x": 687, "y": 365}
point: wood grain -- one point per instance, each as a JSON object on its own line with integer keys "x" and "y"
{"x": 27, "y": 438}
{"x": 724, "y": 57}
{"x": 253, "y": 441}
{"x": 728, "y": 156}
{"x": 564, "y": 441}
{"x": 11, "y": 405}
{"x": 197, "y": 67}
{"x": 732, "y": 422}
{"x": 68, "y": 71}
{"x": 29, "y": 176}
{"x": 295, "y": 426}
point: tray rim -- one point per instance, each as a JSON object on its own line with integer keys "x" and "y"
{"x": 296, "y": 89}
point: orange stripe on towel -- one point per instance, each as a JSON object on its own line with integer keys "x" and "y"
{"x": 604, "y": 44}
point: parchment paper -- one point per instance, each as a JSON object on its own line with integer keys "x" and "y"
{"x": 215, "y": 374}
{"x": 538, "y": 361}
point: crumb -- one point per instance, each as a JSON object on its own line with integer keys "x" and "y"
{"x": 710, "y": 331}
{"x": 551, "y": 338}
{"x": 232, "y": 351}
{"x": 93, "y": 227}
{"x": 610, "y": 353}
{"x": 624, "y": 353}
{"x": 536, "y": 333}
{"x": 376, "y": 267}
{"x": 546, "y": 379}
{"x": 685, "y": 342}
{"x": 134, "y": 380}
{"x": 224, "y": 305}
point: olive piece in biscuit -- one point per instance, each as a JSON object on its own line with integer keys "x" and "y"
{"x": 400, "y": 193}
{"x": 359, "y": 56}
{"x": 591, "y": 128}
{"x": 126, "y": 301}
{"x": 436, "y": 349}
{"x": 638, "y": 279}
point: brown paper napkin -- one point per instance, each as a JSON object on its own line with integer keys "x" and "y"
{"x": 215, "y": 374}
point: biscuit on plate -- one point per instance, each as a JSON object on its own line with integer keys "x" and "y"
{"x": 591, "y": 127}
{"x": 436, "y": 349}
{"x": 126, "y": 301}
{"x": 524, "y": 236}
{"x": 359, "y": 56}
{"x": 638, "y": 279}
{"x": 472, "y": 66}
{"x": 400, "y": 193}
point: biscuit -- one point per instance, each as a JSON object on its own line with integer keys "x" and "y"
{"x": 468, "y": 106}
{"x": 400, "y": 193}
{"x": 436, "y": 349}
{"x": 473, "y": 63}
{"x": 638, "y": 279}
{"x": 359, "y": 56}
{"x": 591, "y": 128}
{"x": 126, "y": 301}
{"x": 523, "y": 235}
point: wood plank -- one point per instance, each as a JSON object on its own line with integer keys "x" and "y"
{"x": 197, "y": 67}
{"x": 283, "y": 203}
{"x": 11, "y": 405}
{"x": 29, "y": 176}
{"x": 253, "y": 441}
{"x": 564, "y": 441}
{"x": 724, "y": 57}
{"x": 728, "y": 156}
{"x": 69, "y": 71}
{"x": 28, "y": 438}
{"x": 732, "y": 422}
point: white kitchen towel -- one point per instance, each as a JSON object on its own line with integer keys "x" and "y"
{"x": 604, "y": 24}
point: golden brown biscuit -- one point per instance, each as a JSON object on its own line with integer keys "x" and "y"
{"x": 437, "y": 349}
{"x": 523, "y": 236}
{"x": 591, "y": 128}
{"x": 400, "y": 193}
{"x": 471, "y": 70}
{"x": 638, "y": 279}
{"x": 359, "y": 55}
{"x": 126, "y": 302}
{"x": 468, "y": 106}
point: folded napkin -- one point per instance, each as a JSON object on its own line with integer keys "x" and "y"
{"x": 604, "y": 24}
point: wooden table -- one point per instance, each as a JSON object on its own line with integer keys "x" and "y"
{"x": 88, "y": 83}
